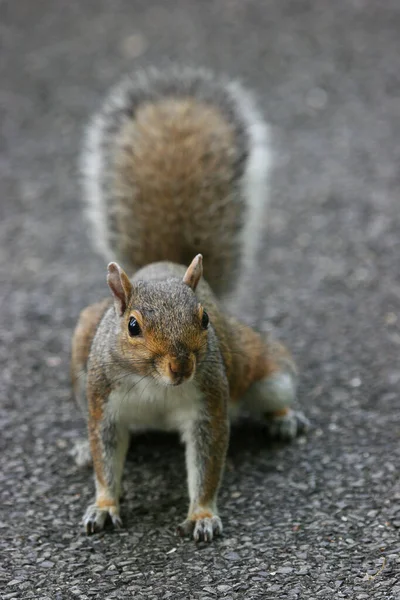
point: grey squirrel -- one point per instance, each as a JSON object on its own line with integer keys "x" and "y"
{"x": 175, "y": 166}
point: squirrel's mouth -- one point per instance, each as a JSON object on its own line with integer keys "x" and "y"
{"x": 180, "y": 380}
{"x": 177, "y": 379}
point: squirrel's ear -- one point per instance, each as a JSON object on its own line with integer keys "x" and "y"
{"x": 121, "y": 287}
{"x": 194, "y": 272}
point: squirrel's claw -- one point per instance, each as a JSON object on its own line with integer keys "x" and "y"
{"x": 206, "y": 529}
{"x": 95, "y": 518}
{"x": 202, "y": 530}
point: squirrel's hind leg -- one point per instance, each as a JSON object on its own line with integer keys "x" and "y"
{"x": 271, "y": 398}
{"x": 287, "y": 424}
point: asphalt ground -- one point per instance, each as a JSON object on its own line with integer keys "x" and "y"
{"x": 316, "y": 519}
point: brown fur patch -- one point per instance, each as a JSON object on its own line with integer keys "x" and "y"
{"x": 245, "y": 358}
{"x": 83, "y": 336}
{"x": 105, "y": 503}
{"x": 96, "y": 409}
{"x": 201, "y": 514}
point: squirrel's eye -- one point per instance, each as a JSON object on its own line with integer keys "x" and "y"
{"x": 134, "y": 327}
{"x": 204, "y": 320}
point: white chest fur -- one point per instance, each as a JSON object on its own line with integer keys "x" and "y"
{"x": 142, "y": 403}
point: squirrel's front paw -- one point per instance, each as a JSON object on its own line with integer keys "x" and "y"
{"x": 95, "y": 518}
{"x": 203, "y": 528}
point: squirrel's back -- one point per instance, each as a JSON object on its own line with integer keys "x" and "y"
{"x": 177, "y": 163}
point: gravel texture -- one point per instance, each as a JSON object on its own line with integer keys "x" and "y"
{"x": 317, "y": 519}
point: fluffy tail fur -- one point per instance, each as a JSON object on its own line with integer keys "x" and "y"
{"x": 175, "y": 163}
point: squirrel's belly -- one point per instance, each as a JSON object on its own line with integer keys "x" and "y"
{"x": 143, "y": 404}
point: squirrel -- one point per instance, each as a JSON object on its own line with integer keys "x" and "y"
{"x": 175, "y": 165}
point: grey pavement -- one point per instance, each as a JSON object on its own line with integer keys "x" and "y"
{"x": 317, "y": 519}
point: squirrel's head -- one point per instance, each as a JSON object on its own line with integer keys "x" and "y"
{"x": 162, "y": 327}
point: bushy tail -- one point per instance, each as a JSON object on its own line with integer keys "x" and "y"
{"x": 175, "y": 163}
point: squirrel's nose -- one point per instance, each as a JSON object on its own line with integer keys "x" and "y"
{"x": 174, "y": 366}
{"x": 180, "y": 368}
